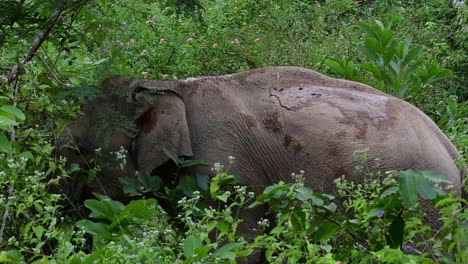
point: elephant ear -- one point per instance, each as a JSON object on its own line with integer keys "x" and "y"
{"x": 161, "y": 125}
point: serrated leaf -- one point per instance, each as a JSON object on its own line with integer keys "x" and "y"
{"x": 408, "y": 188}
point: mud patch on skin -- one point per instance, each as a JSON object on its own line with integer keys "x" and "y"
{"x": 271, "y": 122}
{"x": 340, "y": 135}
{"x": 293, "y": 144}
{"x": 248, "y": 121}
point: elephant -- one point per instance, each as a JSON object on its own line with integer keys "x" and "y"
{"x": 274, "y": 121}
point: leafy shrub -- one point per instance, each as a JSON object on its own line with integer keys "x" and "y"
{"x": 155, "y": 39}
{"x": 396, "y": 66}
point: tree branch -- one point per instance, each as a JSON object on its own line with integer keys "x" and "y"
{"x": 40, "y": 38}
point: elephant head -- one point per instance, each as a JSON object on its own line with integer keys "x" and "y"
{"x": 143, "y": 120}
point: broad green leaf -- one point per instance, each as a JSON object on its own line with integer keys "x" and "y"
{"x": 375, "y": 211}
{"x": 104, "y": 208}
{"x": 3, "y": 99}
{"x": 6, "y": 123}
{"x": 395, "y": 67}
{"x": 426, "y": 188}
{"x": 325, "y": 231}
{"x": 192, "y": 163}
{"x": 14, "y": 111}
{"x": 115, "y": 205}
{"x": 408, "y": 189}
{"x": 136, "y": 209}
{"x": 99, "y": 210}
{"x": 38, "y": 231}
{"x": 129, "y": 186}
{"x": 203, "y": 251}
{"x": 369, "y": 67}
{"x": 413, "y": 53}
{"x": 386, "y": 36}
{"x": 223, "y": 227}
{"x": 372, "y": 45}
{"x": 191, "y": 243}
{"x": 440, "y": 75}
{"x": 435, "y": 177}
{"x": 149, "y": 182}
{"x": 226, "y": 251}
{"x": 99, "y": 61}
{"x": 5, "y": 145}
{"x": 97, "y": 229}
{"x": 368, "y": 29}
{"x": 11, "y": 256}
{"x": 304, "y": 193}
{"x": 388, "y": 56}
{"x": 188, "y": 184}
{"x": 172, "y": 156}
{"x": 223, "y": 197}
{"x": 202, "y": 181}
{"x": 396, "y": 232}
{"x": 297, "y": 220}
{"x": 380, "y": 24}
{"x": 336, "y": 66}
{"x": 214, "y": 187}
{"x": 389, "y": 191}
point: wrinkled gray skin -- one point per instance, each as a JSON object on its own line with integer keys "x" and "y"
{"x": 275, "y": 121}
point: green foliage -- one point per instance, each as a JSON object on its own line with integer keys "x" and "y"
{"x": 162, "y": 39}
{"x": 395, "y": 65}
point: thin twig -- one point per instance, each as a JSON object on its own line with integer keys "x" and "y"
{"x": 51, "y": 70}
{"x": 6, "y": 214}
{"x": 40, "y": 38}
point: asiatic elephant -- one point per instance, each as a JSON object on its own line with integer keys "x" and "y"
{"x": 275, "y": 121}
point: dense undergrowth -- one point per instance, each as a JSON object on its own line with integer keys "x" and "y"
{"x": 405, "y": 48}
